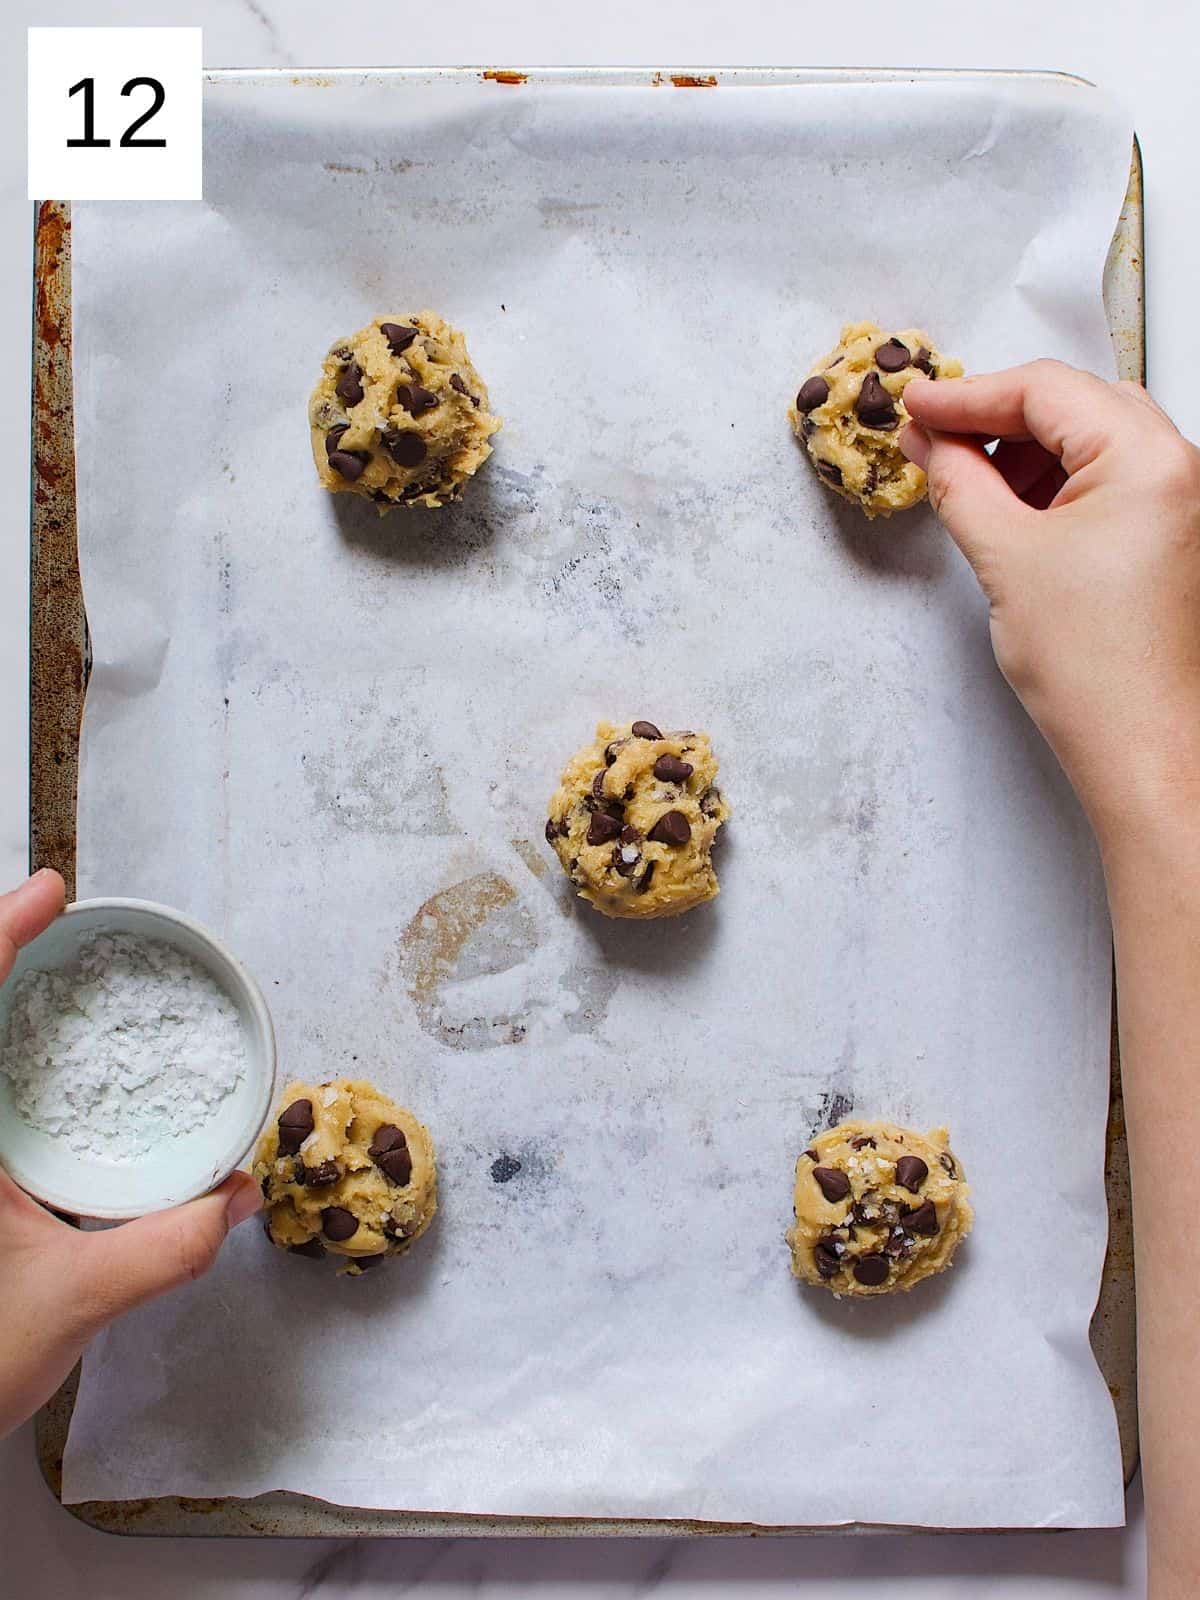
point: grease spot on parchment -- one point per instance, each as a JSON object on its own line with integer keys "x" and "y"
{"x": 835, "y": 1107}
{"x": 594, "y": 574}
{"x": 474, "y": 929}
{"x": 380, "y": 777}
{"x": 528, "y": 853}
{"x": 504, "y": 1169}
{"x": 478, "y": 974}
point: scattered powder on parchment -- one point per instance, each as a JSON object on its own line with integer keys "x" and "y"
{"x": 134, "y": 1044}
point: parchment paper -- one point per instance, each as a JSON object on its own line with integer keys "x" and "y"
{"x": 333, "y": 737}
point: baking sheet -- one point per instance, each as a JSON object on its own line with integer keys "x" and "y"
{"x": 912, "y": 918}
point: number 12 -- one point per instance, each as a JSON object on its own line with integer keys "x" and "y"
{"x": 128, "y": 142}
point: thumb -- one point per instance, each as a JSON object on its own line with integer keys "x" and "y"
{"x": 27, "y": 911}
{"x": 978, "y": 509}
{"x": 124, "y": 1267}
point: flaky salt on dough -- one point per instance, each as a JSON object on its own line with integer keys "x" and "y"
{"x": 634, "y": 818}
{"x": 849, "y": 415}
{"x": 347, "y": 1172}
{"x": 878, "y": 1208}
{"x": 400, "y": 415}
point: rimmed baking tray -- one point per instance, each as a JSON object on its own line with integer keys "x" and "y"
{"x": 59, "y": 666}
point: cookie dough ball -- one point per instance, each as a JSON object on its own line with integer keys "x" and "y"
{"x": 849, "y": 415}
{"x": 400, "y": 414}
{"x": 877, "y": 1208}
{"x": 346, "y": 1172}
{"x": 634, "y": 818}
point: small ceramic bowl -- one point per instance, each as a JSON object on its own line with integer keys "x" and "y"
{"x": 180, "y": 1167}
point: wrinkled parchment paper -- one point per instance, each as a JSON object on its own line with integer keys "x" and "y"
{"x": 333, "y": 737}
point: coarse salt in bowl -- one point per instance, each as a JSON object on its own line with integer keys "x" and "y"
{"x": 191, "y": 1153}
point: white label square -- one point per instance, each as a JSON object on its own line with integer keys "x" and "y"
{"x": 115, "y": 114}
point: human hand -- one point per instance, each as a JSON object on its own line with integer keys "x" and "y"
{"x": 1083, "y": 530}
{"x": 61, "y": 1286}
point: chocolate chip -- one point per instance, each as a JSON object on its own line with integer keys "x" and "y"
{"x": 812, "y": 1155}
{"x": 630, "y": 834}
{"x": 389, "y": 1151}
{"x": 872, "y": 1270}
{"x": 318, "y": 1177}
{"x": 351, "y": 464}
{"x": 898, "y": 1244}
{"x": 923, "y": 1219}
{"x": 398, "y": 336}
{"x": 830, "y": 472}
{"x": 827, "y": 1261}
{"x": 892, "y": 356}
{"x": 457, "y": 384}
{"x": 365, "y": 1263}
{"x": 415, "y": 398}
{"x": 407, "y": 449}
{"x": 643, "y": 882}
{"x": 312, "y": 1248}
{"x": 670, "y": 769}
{"x": 863, "y": 1142}
{"x": 911, "y": 1173}
{"x": 265, "y": 1186}
{"x": 387, "y": 1137}
{"x": 874, "y": 405}
{"x": 808, "y": 427}
{"x": 947, "y": 1161}
{"x": 813, "y": 393}
{"x": 396, "y": 1165}
{"x": 334, "y": 434}
{"x": 337, "y": 1223}
{"x": 671, "y": 828}
{"x": 295, "y": 1124}
{"x": 602, "y": 828}
{"x": 923, "y": 359}
{"x": 710, "y": 801}
{"x": 395, "y": 1228}
{"x": 554, "y": 830}
{"x": 348, "y": 388}
{"x": 832, "y": 1182}
{"x": 598, "y": 784}
{"x": 610, "y": 751}
{"x": 645, "y": 730}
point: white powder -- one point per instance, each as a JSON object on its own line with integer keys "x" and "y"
{"x": 133, "y": 1045}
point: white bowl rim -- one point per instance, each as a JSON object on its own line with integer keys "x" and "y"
{"x": 230, "y": 1160}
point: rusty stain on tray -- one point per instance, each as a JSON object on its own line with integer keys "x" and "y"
{"x": 505, "y": 75}
{"x": 685, "y": 80}
{"x": 58, "y": 642}
{"x": 58, "y": 672}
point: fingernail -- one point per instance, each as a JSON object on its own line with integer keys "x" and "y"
{"x": 914, "y": 443}
{"x": 245, "y": 1200}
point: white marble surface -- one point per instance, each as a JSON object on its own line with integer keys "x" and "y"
{"x": 1149, "y": 59}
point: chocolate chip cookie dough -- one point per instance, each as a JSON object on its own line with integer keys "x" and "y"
{"x": 400, "y": 414}
{"x": 346, "y": 1172}
{"x": 850, "y": 412}
{"x": 634, "y": 818}
{"x": 877, "y": 1208}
